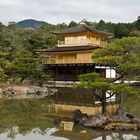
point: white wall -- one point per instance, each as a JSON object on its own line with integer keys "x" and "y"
{"x": 110, "y": 73}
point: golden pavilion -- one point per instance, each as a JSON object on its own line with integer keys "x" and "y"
{"x": 72, "y": 56}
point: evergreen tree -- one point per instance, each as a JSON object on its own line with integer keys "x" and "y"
{"x": 123, "y": 55}
{"x": 26, "y": 65}
{"x": 138, "y": 23}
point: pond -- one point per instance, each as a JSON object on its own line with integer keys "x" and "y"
{"x": 56, "y": 134}
{"x": 28, "y": 120}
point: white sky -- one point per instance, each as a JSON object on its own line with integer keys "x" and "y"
{"x": 58, "y": 11}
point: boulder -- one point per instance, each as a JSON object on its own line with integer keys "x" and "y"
{"x": 120, "y": 126}
{"x": 124, "y": 117}
{"x": 96, "y": 121}
{"x": 126, "y": 127}
{"x": 9, "y": 92}
{"x": 21, "y": 92}
{"x": 79, "y": 117}
{"x": 125, "y": 121}
{"x": 137, "y": 122}
{"x": 57, "y": 121}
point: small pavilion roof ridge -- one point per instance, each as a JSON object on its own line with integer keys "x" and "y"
{"x": 80, "y": 29}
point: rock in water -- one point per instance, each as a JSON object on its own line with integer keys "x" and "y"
{"x": 79, "y": 117}
{"x": 57, "y": 121}
{"x": 96, "y": 121}
{"x": 137, "y": 122}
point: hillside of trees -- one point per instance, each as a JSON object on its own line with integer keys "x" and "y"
{"x": 30, "y": 23}
{"x": 119, "y": 29}
{"x": 18, "y": 57}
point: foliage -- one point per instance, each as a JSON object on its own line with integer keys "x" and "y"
{"x": 18, "y": 44}
{"x": 25, "y": 65}
{"x": 121, "y": 54}
{"x": 30, "y": 23}
{"x": 101, "y": 86}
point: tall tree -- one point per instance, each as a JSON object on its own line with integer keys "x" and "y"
{"x": 72, "y": 24}
{"x": 124, "y": 56}
{"x": 26, "y": 65}
{"x": 138, "y": 23}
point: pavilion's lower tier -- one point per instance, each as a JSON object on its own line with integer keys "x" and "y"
{"x": 71, "y": 72}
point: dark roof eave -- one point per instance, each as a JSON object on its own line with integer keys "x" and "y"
{"x": 82, "y": 29}
{"x": 61, "y": 33}
{"x": 69, "y": 49}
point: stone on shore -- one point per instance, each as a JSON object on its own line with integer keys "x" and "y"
{"x": 79, "y": 117}
{"x": 96, "y": 121}
{"x": 125, "y": 121}
{"x": 137, "y": 122}
{"x": 23, "y": 92}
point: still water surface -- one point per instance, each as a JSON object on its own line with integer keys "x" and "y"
{"x": 79, "y": 133}
{"x": 28, "y": 120}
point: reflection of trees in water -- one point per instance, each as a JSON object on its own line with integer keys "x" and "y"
{"x": 116, "y": 136}
{"x": 93, "y": 134}
{"x": 26, "y": 114}
{"x": 120, "y": 136}
{"x": 12, "y": 132}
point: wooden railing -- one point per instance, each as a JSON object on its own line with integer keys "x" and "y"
{"x": 103, "y": 44}
{"x": 49, "y": 61}
{"x": 89, "y": 42}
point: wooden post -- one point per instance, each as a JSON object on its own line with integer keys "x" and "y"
{"x": 77, "y": 73}
{"x": 56, "y": 72}
{"x": 56, "y": 97}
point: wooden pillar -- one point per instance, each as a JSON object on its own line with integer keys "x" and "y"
{"x": 77, "y": 76}
{"x": 57, "y": 72}
{"x": 56, "y": 97}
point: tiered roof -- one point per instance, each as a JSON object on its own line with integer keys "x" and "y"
{"x": 80, "y": 29}
{"x": 69, "y": 49}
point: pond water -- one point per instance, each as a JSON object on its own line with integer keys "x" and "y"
{"x": 48, "y": 131}
{"x": 57, "y": 134}
{"x": 29, "y": 120}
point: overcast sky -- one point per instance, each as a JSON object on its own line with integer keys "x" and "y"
{"x": 58, "y": 11}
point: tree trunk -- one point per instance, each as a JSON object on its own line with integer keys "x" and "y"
{"x": 120, "y": 109}
{"x": 104, "y": 110}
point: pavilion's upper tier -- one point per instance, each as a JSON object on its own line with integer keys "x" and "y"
{"x": 81, "y": 29}
{"x": 81, "y": 35}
